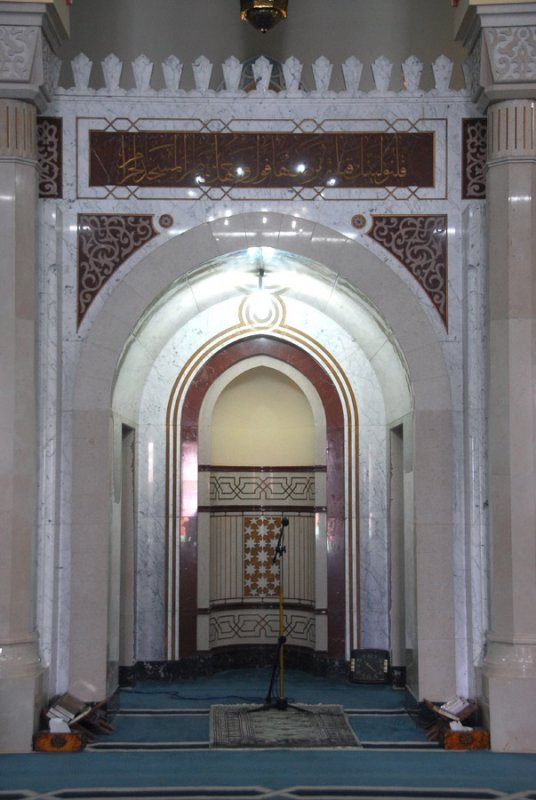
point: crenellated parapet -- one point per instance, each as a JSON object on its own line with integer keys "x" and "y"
{"x": 260, "y": 76}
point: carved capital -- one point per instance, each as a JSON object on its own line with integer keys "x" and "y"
{"x": 30, "y": 35}
{"x": 501, "y": 39}
{"x": 18, "y": 52}
{"x": 512, "y": 53}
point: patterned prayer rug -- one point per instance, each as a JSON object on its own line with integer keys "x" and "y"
{"x": 296, "y": 726}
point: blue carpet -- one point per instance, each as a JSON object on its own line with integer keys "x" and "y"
{"x": 387, "y": 728}
{"x": 276, "y": 769}
{"x": 279, "y": 774}
{"x": 182, "y": 727}
{"x": 251, "y": 685}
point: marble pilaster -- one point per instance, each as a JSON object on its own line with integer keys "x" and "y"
{"x": 510, "y": 662}
{"x": 30, "y": 33}
{"x": 20, "y": 667}
{"x": 502, "y": 38}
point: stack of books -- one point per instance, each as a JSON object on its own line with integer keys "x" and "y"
{"x": 68, "y": 709}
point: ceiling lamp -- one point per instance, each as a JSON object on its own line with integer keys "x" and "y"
{"x": 263, "y": 14}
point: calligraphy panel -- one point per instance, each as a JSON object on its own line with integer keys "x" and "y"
{"x": 270, "y": 160}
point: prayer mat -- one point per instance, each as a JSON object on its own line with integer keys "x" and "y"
{"x": 296, "y": 726}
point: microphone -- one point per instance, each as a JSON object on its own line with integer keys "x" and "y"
{"x": 280, "y": 548}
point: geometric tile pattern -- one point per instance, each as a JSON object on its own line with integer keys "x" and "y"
{"x": 419, "y": 242}
{"x": 261, "y": 627}
{"x": 261, "y": 573}
{"x": 227, "y": 487}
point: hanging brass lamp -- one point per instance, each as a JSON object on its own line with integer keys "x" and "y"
{"x": 263, "y": 14}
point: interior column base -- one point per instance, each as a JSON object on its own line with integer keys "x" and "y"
{"x": 509, "y": 685}
{"x": 21, "y": 696}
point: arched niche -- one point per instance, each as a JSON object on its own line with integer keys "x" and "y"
{"x": 322, "y": 625}
{"x": 355, "y": 283}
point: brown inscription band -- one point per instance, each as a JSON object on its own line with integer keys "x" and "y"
{"x": 261, "y": 160}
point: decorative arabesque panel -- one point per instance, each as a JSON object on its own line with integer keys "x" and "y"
{"x": 105, "y": 241}
{"x": 50, "y": 157}
{"x": 474, "y": 151}
{"x": 419, "y": 242}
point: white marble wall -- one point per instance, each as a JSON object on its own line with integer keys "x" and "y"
{"x": 439, "y": 110}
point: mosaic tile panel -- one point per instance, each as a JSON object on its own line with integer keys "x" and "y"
{"x": 261, "y": 573}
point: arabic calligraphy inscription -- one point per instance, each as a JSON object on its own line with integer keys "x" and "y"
{"x": 260, "y": 160}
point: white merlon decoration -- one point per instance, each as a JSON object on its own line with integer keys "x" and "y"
{"x": 292, "y": 72}
{"x": 142, "y": 69}
{"x": 442, "y": 69}
{"x": 288, "y": 78}
{"x": 381, "y": 71}
{"x": 322, "y": 69}
{"x": 202, "y": 69}
{"x": 81, "y": 67}
{"x": 262, "y": 72}
{"x": 232, "y": 72}
{"x": 172, "y": 71}
{"x": 111, "y": 69}
{"x": 352, "y": 70}
{"x": 412, "y": 71}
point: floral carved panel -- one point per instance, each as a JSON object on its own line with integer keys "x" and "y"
{"x": 18, "y": 45}
{"x": 50, "y": 156}
{"x": 512, "y": 53}
{"x": 474, "y": 148}
{"x": 419, "y": 242}
{"x": 105, "y": 241}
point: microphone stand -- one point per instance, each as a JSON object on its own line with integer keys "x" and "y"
{"x": 280, "y": 702}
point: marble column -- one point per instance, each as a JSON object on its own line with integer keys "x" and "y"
{"x": 501, "y": 38}
{"x": 20, "y": 668}
{"x": 510, "y": 663}
{"x": 29, "y": 32}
